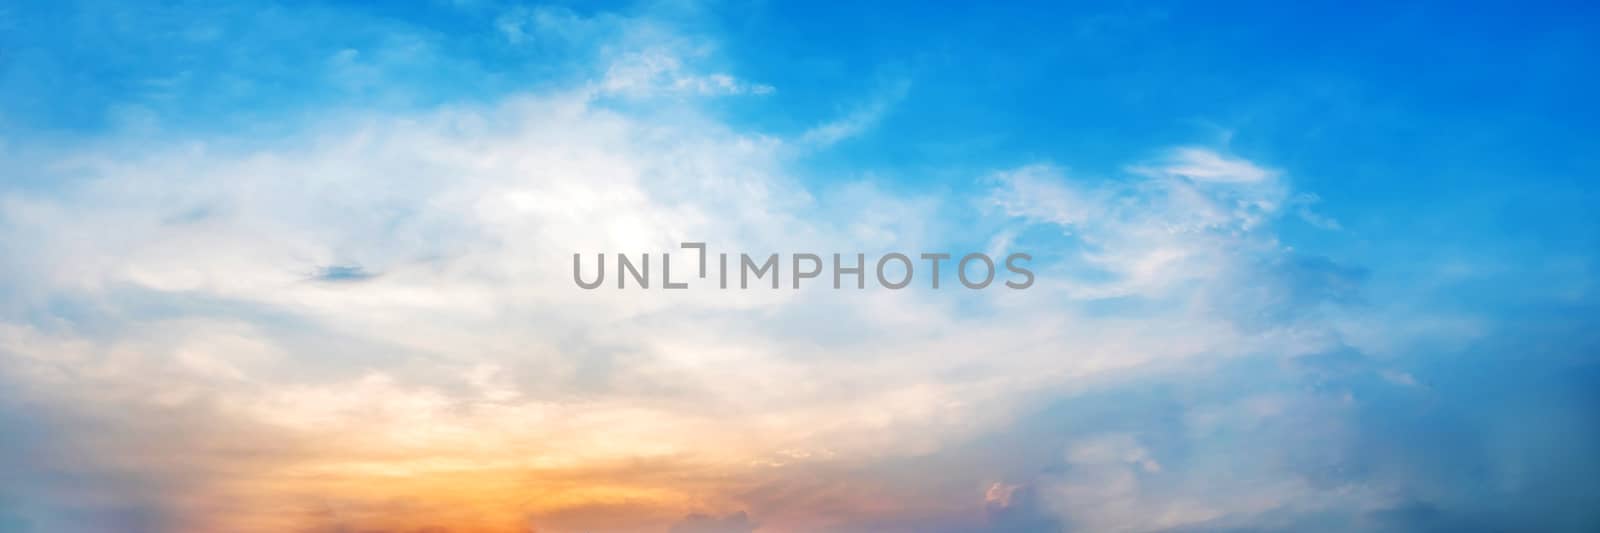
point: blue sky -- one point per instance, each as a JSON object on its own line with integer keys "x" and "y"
{"x": 1302, "y": 266}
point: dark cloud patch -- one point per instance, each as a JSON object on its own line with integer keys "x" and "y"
{"x": 110, "y": 460}
{"x": 49, "y": 482}
{"x": 1022, "y": 510}
{"x": 1291, "y": 289}
{"x": 737, "y": 522}
{"x": 190, "y": 216}
{"x": 343, "y": 274}
{"x": 1422, "y": 517}
{"x": 12, "y": 521}
{"x": 1496, "y": 434}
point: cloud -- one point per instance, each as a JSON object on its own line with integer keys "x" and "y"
{"x": 523, "y": 24}
{"x": 639, "y": 57}
{"x": 169, "y": 365}
{"x": 342, "y": 274}
{"x": 1153, "y": 229}
{"x": 472, "y": 360}
{"x": 698, "y": 523}
{"x": 1206, "y": 166}
{"x": 659, "y": 71}
{"x": 859, "y": 120}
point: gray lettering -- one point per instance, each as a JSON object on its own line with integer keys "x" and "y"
{"x": 666, "y": 274}
{"x": 882, "y": 280}
{"x": 641, "y": 276}
{"x": 600, "y": 273}
{"x": 747, "y": 266}
{"x": 840, "y": 270}
{"x": 697, "y": 246}
{"x": 961, "y": 270}
{"x": 935, "y": 259}
{"x": 1010, "y": 265}
{"x": 816, "y": 270}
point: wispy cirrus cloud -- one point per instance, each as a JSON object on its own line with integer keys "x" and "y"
{"x": 860, "y": 119}
{"x": 636, "y": 55}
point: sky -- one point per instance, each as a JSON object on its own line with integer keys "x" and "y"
{"x": 1300, "y": 266}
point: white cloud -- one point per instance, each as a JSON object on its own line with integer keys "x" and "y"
{"x": 861, "y": 119}
{"x": 465, "y": 349}
{"x": 1204, "y": 165}
{"x": 637, "y": 57}
{"x": 1156, "y": 228}
{"x": 465, "y": 219}
{"x": 661, "y": 71}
